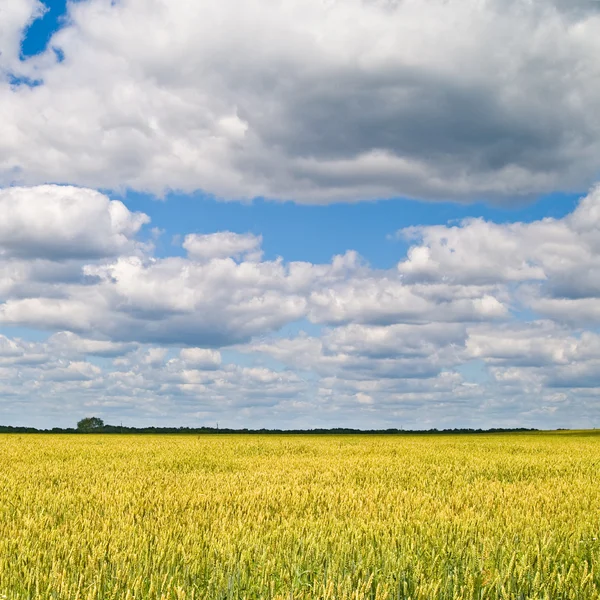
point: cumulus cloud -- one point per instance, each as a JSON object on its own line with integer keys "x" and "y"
{"x": 200, "y": 358}
{"x": 69, "y": 261}
{"x": 319, "y": 357}
{"x": 60, "y": 222}
{"x": 564, "y": 252}
{"x": 394, "y": 341}
{"x": 472, "y": 326}
{"x": 68, "y": 343}
{"x": 223, "y": 293}
{"x": 73, "y": 371}
{"x": 307, "y": 100}
{"x": 541, "y": 354}
{"x": 167, "y": 301}
{"x": 555, "y": 263}
{"x": 386, "y": 300}
{"x": 15, "y": 16}
{"x": 221, "y": 302}
{"x": 224, "y": 244}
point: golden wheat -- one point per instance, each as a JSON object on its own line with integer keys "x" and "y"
{"x": 296, "y": 517}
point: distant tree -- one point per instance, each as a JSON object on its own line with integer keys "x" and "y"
{"x": 90, "y": 424}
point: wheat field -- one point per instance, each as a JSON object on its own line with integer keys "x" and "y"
{"x": 510, "y": 516}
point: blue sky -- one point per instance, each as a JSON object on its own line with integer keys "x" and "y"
{"x": 316, "y": 233}
{"x": 37, "y": 35}
{"x": 361, "y": 216}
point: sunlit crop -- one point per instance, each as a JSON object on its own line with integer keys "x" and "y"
{"x": 298, "y": 517}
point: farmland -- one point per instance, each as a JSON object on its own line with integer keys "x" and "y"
{"x": 299, "y": 517}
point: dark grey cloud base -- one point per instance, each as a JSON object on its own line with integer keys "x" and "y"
{"x": 309, "y": 101}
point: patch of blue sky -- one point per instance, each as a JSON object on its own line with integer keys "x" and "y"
{"x": 248, "y": 360}
{"x": 16, "y": 81}
{"x": 303, "y": 326}
{"x": 317, "y": 233}
{"x": 523, "y": 313}
{"x": 104, "y": 362}
{"x": 39, "y": 32}
{"x": 26, "y": 334}
{"x": 474, "y": 371}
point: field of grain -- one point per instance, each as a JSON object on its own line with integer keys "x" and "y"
{"x": 298, "y": 517}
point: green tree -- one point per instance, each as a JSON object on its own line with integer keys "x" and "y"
{"x": 90, "y": 424}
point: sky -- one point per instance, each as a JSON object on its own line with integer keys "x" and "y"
{"x": 299, "y": 214}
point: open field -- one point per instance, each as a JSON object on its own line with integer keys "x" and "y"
{"x": 344, "y": 517}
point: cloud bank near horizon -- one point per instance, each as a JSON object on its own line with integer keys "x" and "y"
{"x": 479, "y": 323}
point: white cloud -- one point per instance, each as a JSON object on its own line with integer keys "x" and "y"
{"x": 308, "y": 100}
{"x": 439, "y": 340}
{"x": 478, "y": 251}
{"x": 73, "y": 371}
{"x": 65, "y": 342}
{"x": 200, "y": 358}
{"x": 59, "y": 222}
{"x": 69, "y": 260}
{"x": 221, "y": 302}
{"x": 360, "y": 353}
{"x": 416, "y": 341}
{"x": 556, "y": 262}
{"x": 169, "y": 300}
{"x": 340, "y": 379}
{"x": 387, "y": 300}
{"x": 534, "y": 344}
{"x": 14, "y": 17}
{"x": 223, "y": 244}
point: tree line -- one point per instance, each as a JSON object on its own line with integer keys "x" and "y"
{"x": 97, "y": 425}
